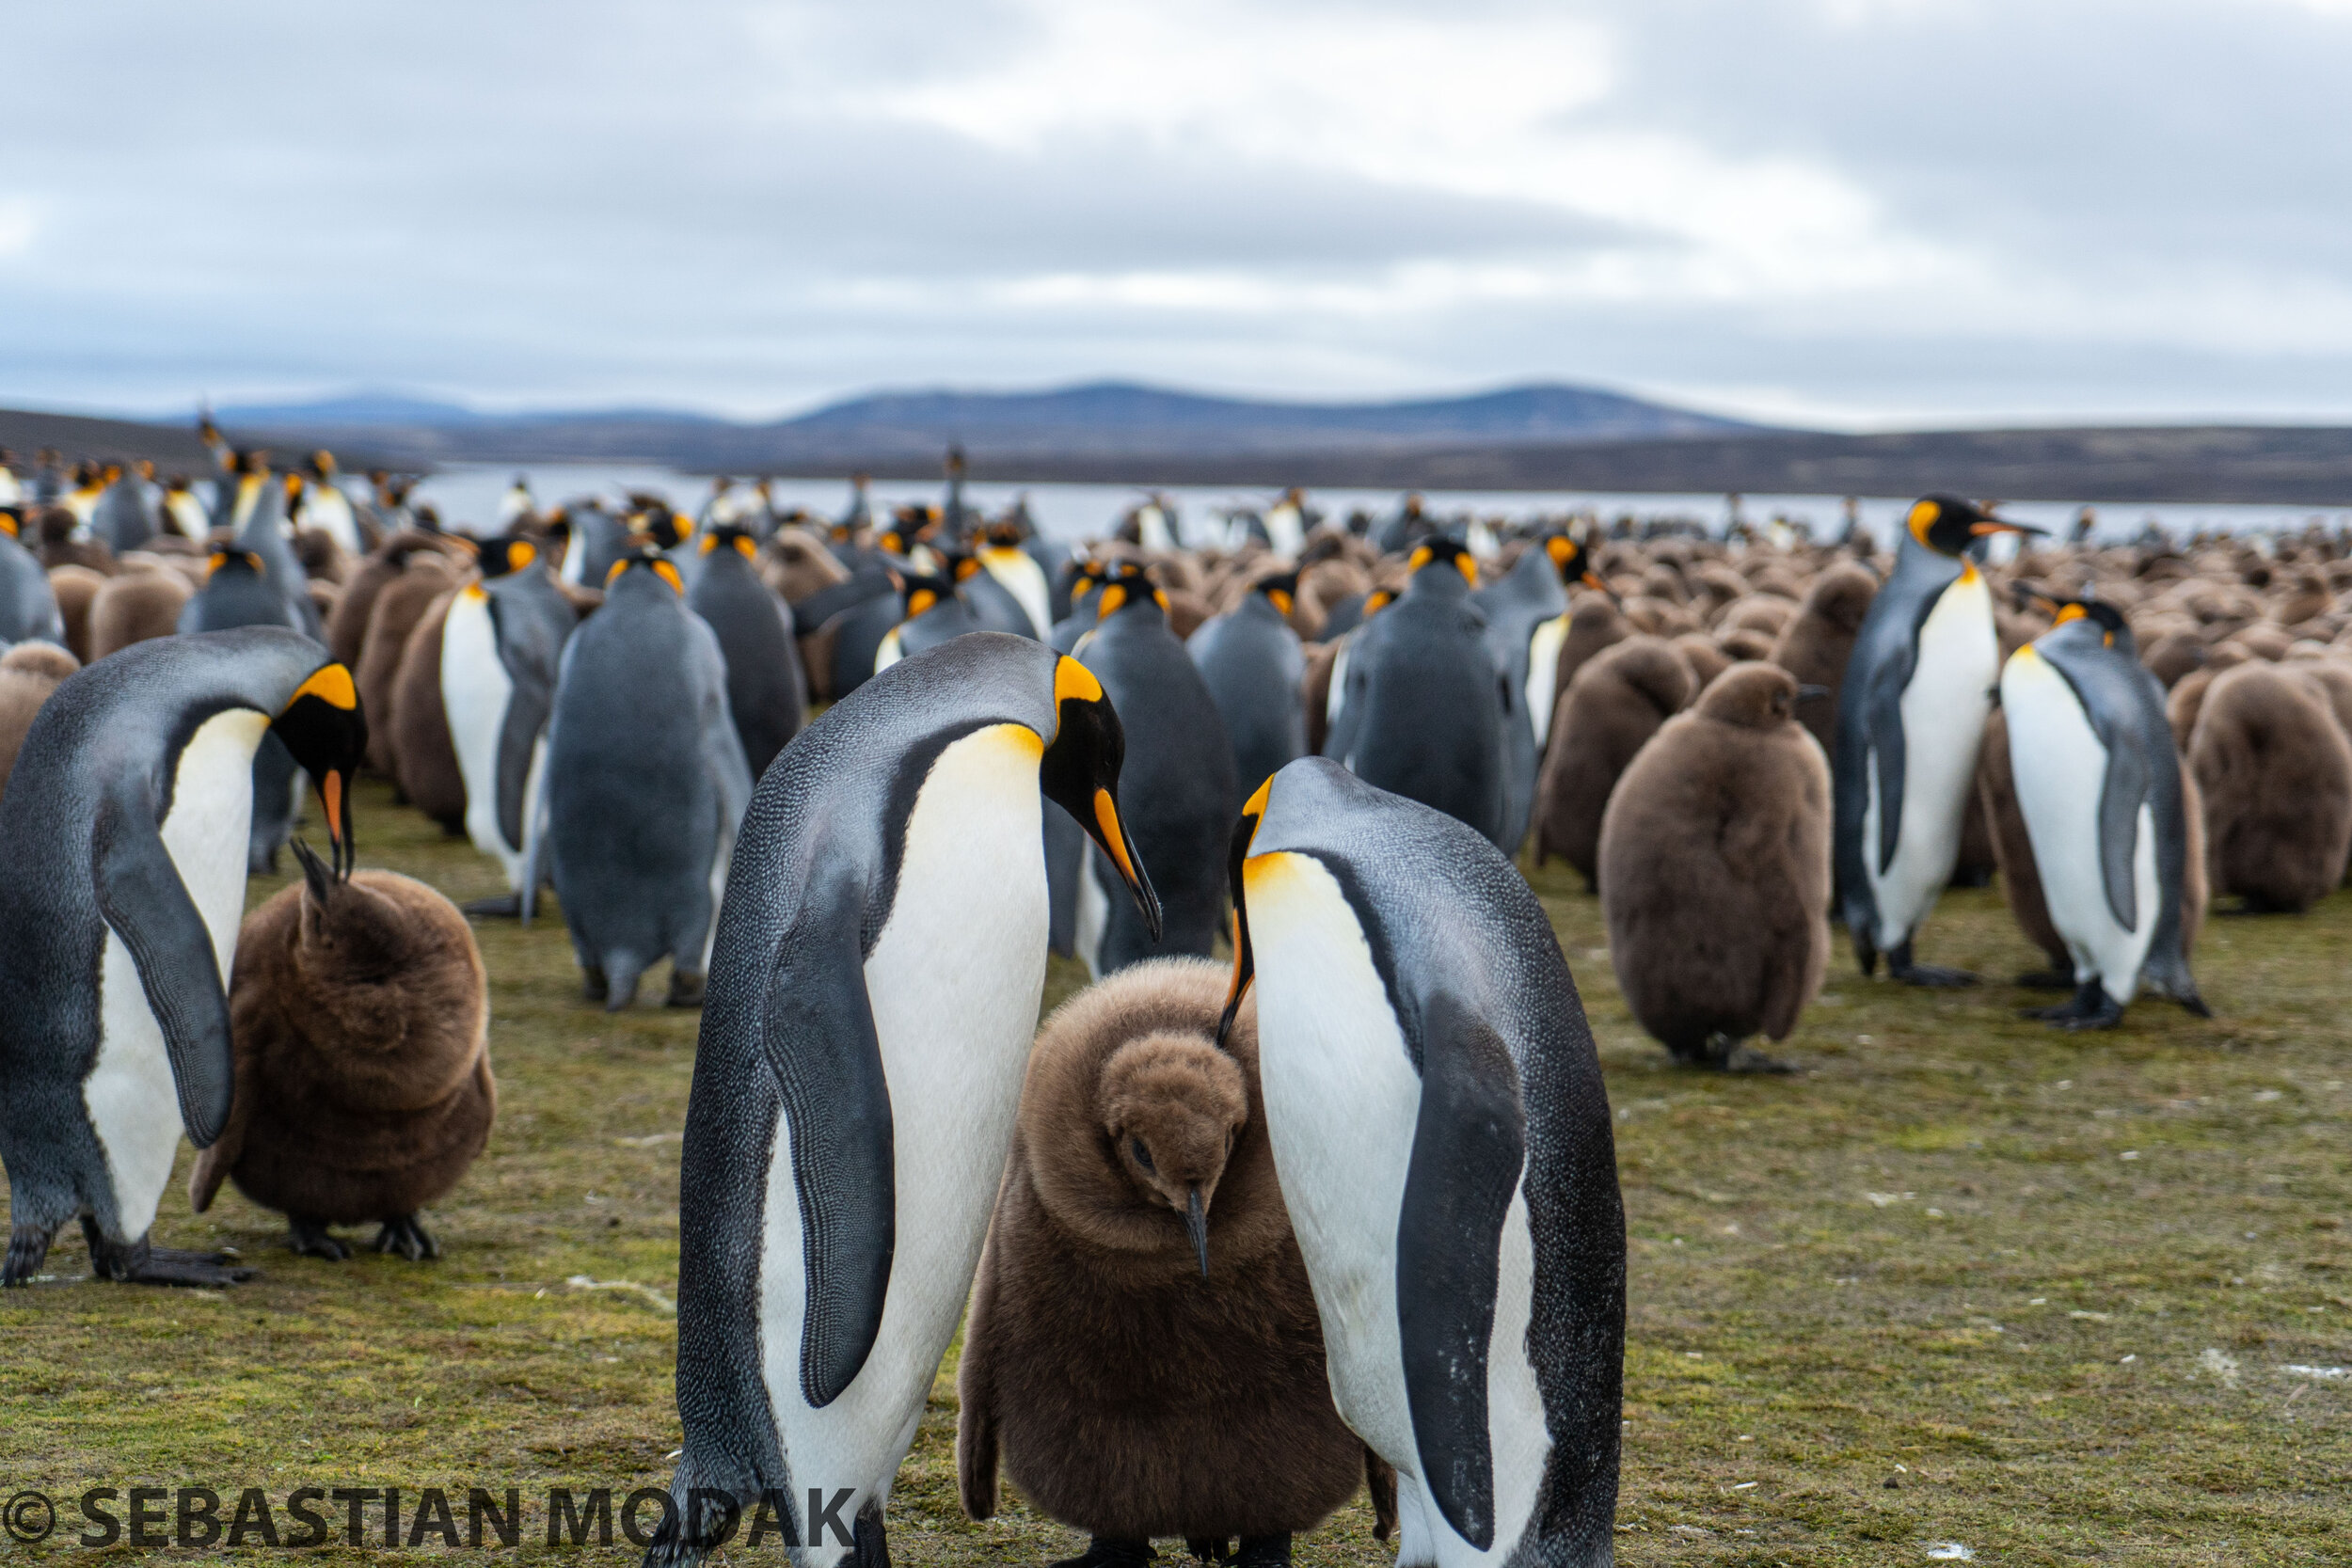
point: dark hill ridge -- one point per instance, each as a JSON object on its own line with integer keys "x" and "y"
{"x": 1108, "y": 419}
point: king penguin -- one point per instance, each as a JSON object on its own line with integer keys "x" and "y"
{"x": 767, "y": 689}
{"x": 502, "y": 646}
{"x": 1181, "y": 788}
{"x": 124, "y": 827}
{"x": 1526, "y": 622}
{"x": 875, "y": 980}
{"x": 1417, "y": 702}
{"x": 1442, "y": 1137}
{"x": 646, "y": 783}
{"x": 28, "y": 606}
{"x": 1254, "y": 665}
{"x": 1911, "y": 717}
{"x": 2098, "y": 781}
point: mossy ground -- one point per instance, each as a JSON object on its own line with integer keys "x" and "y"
{"x": 1964, "y": 1281}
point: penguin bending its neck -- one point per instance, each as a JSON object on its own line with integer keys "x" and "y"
{"x": 1444, "y": 1139}
{"x": 1143, "y": 1348}
{"x": 873, "y": 993}
{"x": 1910, "y": 720}
{"x": 125, "y": 826}
{"x": 2097, "y": 781}
{"x": 362, "y": 1030}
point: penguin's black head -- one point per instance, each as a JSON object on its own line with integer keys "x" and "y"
{"x": 923, "y": 591}
{"x": 12, "y": 520}
{"x": 1441, "y": 550}
{"x": 2110, "y": 620}
{"x": 1573, "y": 562}
{"x": 1080, "y": 774}
{"x": 1280, "y": 591}
{"x": 645, "y": 557}
{"x": 499, "y": 558}
{"x": 731, "y": 536}
{"x": 1127, "y": 583}
{"x": 323, "y": 729}
{"x": 666, "y": 529}
{"x": 1949, "y": 525}
{"x": 1245, "y": 962}
{"x": 234, "y": 561}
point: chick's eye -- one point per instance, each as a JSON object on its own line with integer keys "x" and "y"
{"x": 1143, "y": 1155}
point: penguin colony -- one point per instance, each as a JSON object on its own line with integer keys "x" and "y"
{"x": 1317, "y": 745}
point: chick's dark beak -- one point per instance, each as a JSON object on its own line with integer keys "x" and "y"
{"x": 1811, "y": 693}
{"x": 1196, "y": 1223}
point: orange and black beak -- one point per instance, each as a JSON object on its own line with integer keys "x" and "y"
{"x": 1245, "y": 962}
{"x": 322, "y": 726}
{"x": 1080, "y": 774}
{"x": 1985, "y": 526}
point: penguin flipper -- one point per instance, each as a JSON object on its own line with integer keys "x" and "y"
{"x": 975, "y": 1397}
{"x": 145, "y": 903}
{"x": 1469, "y": 1146}
{"x": 817, "y": 1031}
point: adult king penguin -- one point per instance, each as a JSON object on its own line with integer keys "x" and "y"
{"x": 502, "y": 648}
{"x": 880, "y": 959}
{"x": 1443, "y": 1141}
{"x": 1910, "y": 720}
{"x": 1253, "y": 665}
{"x": 1526, "y": 623}
{"x": 2097, "y": 781}
{"x": 124, "y": 828}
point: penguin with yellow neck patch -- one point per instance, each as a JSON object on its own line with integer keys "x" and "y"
{"x": 1911, "y": 718}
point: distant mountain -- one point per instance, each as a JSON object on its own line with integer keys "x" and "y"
{"x": 1104, "y": 422}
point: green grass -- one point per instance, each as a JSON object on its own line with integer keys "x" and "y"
{"x": 2058, "y": 1327}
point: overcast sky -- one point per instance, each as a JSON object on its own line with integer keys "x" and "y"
{"x": 1848, "y": 211}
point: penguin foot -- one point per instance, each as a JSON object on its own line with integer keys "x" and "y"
{"x": 592, "y": 986}
{"x": 507, "y": 906}
{"x": 1263, "y": 1551}
{"x": 686, "y": 990}
{"x": 29, "y": 1245}
{"x": 403, "y": 1235}
{"x": 143, "y": 1263}
{"x": 1102, "y": 1552}
{"x": 1899, "y": 964}
{"x": 1207, "y": 1548}
{"x": 2194, "y": 1004}
{"x": 2047, "y": 979}
{"x": 311, "y": 1239}
{"x": 1746, "y": 1058}
{"x": 2091, "y": 1008}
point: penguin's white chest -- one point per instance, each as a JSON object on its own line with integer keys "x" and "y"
{"x": 475, "y": 692}
{"x": 1283, "y": 530}
{"x": 2060, "y": 768}
{"x": 954, "y": 981}
{"x": 133, "y": 1106}
{"x": 1025, "y": 579}
{"x": 1944, "y": 710}
{"x": 1543, "y": 675}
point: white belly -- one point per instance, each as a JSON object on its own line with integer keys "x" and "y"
{"x": 954, "y": 982}
{"x": 1341, "y": 1101}
{"x": 1283, "y": 530}
{"x": 889, "y": 651}
{"x": 476, "y": 690}
{"x": 330, "y": 511}
{"x": 133, "y": 1103}
{"x": 1543, "y": 675}
{"x": 1944, "y": 710}
{"x": 1025, "y": 579}
{"x": 2060, "y": 768}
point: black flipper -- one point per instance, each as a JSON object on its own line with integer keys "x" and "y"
{"x": 818, "y": 1032}
{"x": 529, "y": 701}
{"x": 1470, "y": 1145}
{"x": 145, "y": 903}
{"x": 2120, "y": 800}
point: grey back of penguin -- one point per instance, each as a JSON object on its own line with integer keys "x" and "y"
{"x": 1253, "y": 665}
{"x": 1715, "y": 868}
{"x": 645, "y": 781}
{"x": 1178, "y": 790}
{"x": 767, "y": 689}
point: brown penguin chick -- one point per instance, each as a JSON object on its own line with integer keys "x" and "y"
{"x": 2012, "y": 856}
{"x": 2187, "y": 697}
{"x": 359, "y": 1029}
{"x": 1126, "y": 1394}
{"x": 134, "y": 607}
{"x": 1616, "y": 703}
{"x": 2172, "y": 656}
{"x": 28, "y": 673}
{"x": 74, "y": 588}
{"x": 423, "y": 747}
{"x": 1818, "y": 641}
{"x": 2277, "y": 776}
{"x": 1745, "y": 645}
{"x": 1715, "y": 871}
{"x": 1706, "y": 657}
{"x": 1594, "y": 623}
{"x": 1767, "y": 613}
{"x": 322, "y": 556}
{"x": 347, "y": 628}
{"x": 398, "y": 609}
{"x": 797, "y": 563}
